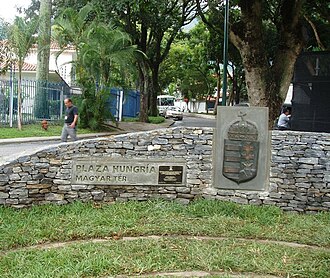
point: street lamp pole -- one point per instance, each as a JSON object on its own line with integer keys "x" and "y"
{"x": 225, "y": 55}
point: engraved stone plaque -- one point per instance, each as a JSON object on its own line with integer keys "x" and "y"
{"x": 105, "y": 171}
{"x": 241, "y": 148}
{"x": 170, "y": 175}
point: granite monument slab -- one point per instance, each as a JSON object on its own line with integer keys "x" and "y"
{"x": 242, "y": 148}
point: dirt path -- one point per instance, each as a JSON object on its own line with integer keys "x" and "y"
{"x": 201, "y": 274}
{"x": 155, "y": 237}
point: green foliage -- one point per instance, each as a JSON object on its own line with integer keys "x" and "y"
{"x": 317, "y": 18}
{"x": 151, "y": 119}
{"x": 93, "y": 110}
{"x": 104, "y": 53}
{"x": 188, "y": 67}
{"x": 6, "y": 57}
{"x": 21, "y": 37}
{"x": 156, "y": 120}
{"x": 130, "y": 119}
{"x": 152, "y": 25}
{"x": 3, "y": 29}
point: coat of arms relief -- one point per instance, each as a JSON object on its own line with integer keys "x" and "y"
{"x": 241, "y": 149}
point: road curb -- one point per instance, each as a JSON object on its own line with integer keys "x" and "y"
{"x": 51, "y": 138}
{"x": 197, "y": 115}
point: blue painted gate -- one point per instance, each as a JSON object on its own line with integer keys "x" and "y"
{"x": 131, "y": 104}
{"x": 126, "y": 103}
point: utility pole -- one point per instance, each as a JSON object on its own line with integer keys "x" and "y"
{"x": 225, "y": 55}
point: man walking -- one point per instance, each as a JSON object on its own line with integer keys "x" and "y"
{"x": 70, "y": 121}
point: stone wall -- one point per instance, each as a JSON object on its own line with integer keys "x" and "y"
{"x": 300, "y": 171}
{"x": 299, "y": 174}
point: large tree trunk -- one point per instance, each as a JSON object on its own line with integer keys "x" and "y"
{"x": 267, "y": 81}
{"x": 143, "y": 85}
{"x": 42, "y": 76}
{"x": 155, "y": 91}
{"x": 44, "y": 40}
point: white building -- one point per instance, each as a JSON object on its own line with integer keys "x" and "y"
{"x": 60, "y": 65}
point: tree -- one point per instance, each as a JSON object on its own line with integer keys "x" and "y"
{"x": 214, "y": 21}
{"x": 42, "y": 76}
{"x": 104, "y": 53}
{"x": 161, "y": 22}
{"x": 268, "y": 80}
{"x": 188, "y": 66}
{"x": 6, "y": 56}
{"x": 153, "y": 26}
{"x": 3, "y": 29}
{"x": 105, "y": 59}
{"x": 317, "y": 14}
{"x": 21, "y": 39}
{"x": 5, "y": 53}
{"x": 268, "y": 66}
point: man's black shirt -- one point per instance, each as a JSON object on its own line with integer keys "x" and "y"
{"x": 70, "y": 113}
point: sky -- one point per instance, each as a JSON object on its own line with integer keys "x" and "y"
{"x": 8, "y": 8}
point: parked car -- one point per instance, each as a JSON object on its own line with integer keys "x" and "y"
{"x": 174, "y": 112}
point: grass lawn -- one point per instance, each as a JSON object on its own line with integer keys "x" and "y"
{"x": 206, "y": 235}
{"x": 35, "y": 130}
{"x": 151, "y": 119}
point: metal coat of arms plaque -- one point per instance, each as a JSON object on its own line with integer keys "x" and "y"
{"x": 241, "y": 149}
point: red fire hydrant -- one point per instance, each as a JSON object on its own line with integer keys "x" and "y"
{"x": 44, "y": 124}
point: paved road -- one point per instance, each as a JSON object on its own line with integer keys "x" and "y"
{"x": 193, "y": 121}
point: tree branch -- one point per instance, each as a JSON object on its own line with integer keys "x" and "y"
{"x": 201, "y": 14}
{"x": 317, "y": 37}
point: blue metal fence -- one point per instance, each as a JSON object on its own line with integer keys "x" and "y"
{"x": 40, "y": 100}
{"x": 44, "y": 100}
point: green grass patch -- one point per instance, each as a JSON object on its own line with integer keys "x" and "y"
{"x": 35, "y": 130}
{"x": 131, "y": 119}
{"x": 46, "y": 224}
{"x": 152, "y": 120}
{"x": 156, "y": 120}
